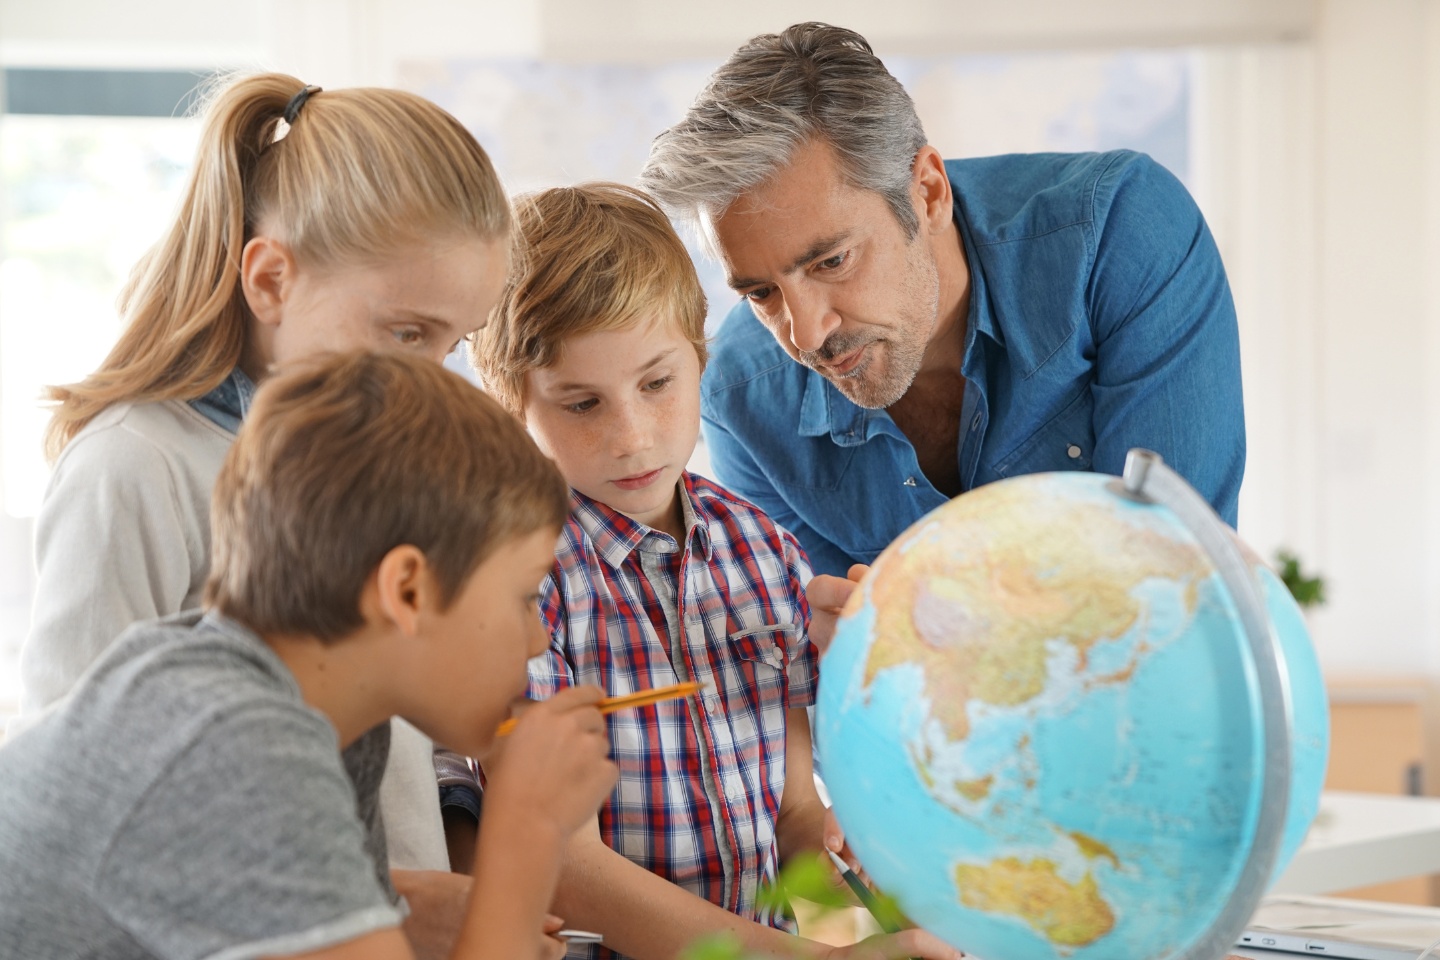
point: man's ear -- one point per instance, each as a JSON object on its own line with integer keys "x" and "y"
{"x": 267, "y": 271}
{"x": 404, "y": 589}
{"x": 930, "y": 189}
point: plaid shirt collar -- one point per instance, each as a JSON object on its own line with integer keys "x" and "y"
{"x": 616, "y": 536}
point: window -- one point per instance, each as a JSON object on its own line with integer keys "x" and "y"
{"x": 91, "y": 165}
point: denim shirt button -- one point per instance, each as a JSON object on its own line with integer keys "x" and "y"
{"x": 909, "y": 481}
{"x": 1074, "y": 451}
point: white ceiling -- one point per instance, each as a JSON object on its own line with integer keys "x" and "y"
{"x": 363, "y": 39}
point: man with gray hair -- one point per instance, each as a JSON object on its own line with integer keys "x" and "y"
{"x": 954, "y": 322}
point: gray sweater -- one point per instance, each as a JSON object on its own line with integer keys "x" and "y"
{"x": 123, "y": 535}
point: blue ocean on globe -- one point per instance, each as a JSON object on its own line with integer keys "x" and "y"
{"x": 1040, "y": 727}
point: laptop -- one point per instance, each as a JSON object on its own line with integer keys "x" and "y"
{"x": 1285, "y": 926}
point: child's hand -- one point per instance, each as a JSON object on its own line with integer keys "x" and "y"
{"x": 552, "y": 947}
{"x": 827, "y": 596}
{"x": 897, "y": 946}
{"x": 834, "y": 839}
{"x": 556, "y": 765}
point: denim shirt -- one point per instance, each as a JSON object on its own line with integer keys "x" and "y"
{"x": 227, "y": 404}
{"x": 1100, "y": 319}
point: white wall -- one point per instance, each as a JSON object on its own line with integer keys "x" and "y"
{"x": 1375, "y": 297}
{"x": 1254, "y": 174}
{"x": 1322, "y": 180}
{"x": 647, "y": 30}
{"x": 337, "y": 42}
{"x": 1428, "y": 210}
{"x": 344, "y": 42}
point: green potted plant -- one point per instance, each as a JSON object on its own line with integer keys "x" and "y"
{"x": 1308, "y": 590}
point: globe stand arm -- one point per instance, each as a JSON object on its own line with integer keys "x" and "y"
{"x": 1148, "y": 480}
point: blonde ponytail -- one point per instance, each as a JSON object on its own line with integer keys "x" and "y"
{"x": 360, "y": 173}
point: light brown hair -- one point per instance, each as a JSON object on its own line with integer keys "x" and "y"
{"x": 360, "y": 173}
{"x": 347, "y": 456}
{"x": 599, "y": 256}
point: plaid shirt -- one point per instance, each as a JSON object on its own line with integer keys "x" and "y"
{"x": 700, "y": 779}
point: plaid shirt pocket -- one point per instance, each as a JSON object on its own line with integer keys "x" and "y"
{"x": 758, "y": 673}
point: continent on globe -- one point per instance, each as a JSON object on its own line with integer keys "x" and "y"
{"x": 1067, "y": 914}
{"x": 976, "y": 600}
{"x": 975, "y": 790}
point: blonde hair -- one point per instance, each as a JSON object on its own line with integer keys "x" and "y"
{"x": 346, "y": 456}
{"x": 599, "y": 256}
{"x": 359, "y": 173}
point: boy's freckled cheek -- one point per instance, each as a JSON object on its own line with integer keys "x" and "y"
{"x": 586, "y": 440}
{"x": 677, "y": 424}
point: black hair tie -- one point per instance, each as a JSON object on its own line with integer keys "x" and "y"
{"x": 292, "y": 109}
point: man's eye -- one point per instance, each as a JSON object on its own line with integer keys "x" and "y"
{"x": 833, "y": 263}
{"x": 758, "y": 295}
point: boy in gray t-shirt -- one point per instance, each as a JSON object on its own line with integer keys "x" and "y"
{"x": 379, "y": 531}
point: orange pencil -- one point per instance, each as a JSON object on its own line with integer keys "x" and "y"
{"x": 639, "y": 698}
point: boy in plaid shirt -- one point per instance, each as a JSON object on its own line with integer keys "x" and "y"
{"x": 660, "y": 577}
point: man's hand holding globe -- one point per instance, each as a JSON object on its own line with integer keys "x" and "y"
{"x": 827, "y": 596}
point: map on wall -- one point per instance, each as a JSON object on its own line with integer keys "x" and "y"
{"x": 547, "y": 124}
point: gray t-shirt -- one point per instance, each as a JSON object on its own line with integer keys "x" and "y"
{"x": 183, "y": 802}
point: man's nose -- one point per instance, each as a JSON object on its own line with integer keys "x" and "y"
{"x": 811, "y": 321}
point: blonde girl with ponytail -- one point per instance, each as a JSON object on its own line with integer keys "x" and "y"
{"x": 312, "y": 221}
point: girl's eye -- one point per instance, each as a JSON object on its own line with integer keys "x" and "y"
{"x": 409, "y": 336}
{"x": 661, "y": 384}
{"x": 584, "y": 406}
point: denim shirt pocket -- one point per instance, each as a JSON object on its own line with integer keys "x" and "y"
{"x": 814, "y": 464}
{"x": 1064, "y": 442}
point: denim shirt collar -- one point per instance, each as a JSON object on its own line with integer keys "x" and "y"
{"x": 227, "y": 405}
{"x": 979, "y": 319}
{"x": 824, "y": 409}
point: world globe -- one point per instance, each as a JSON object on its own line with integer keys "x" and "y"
{"x": 1050, "y": 728}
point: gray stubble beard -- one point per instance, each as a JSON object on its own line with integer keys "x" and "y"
{"x": 906, "y": 346}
